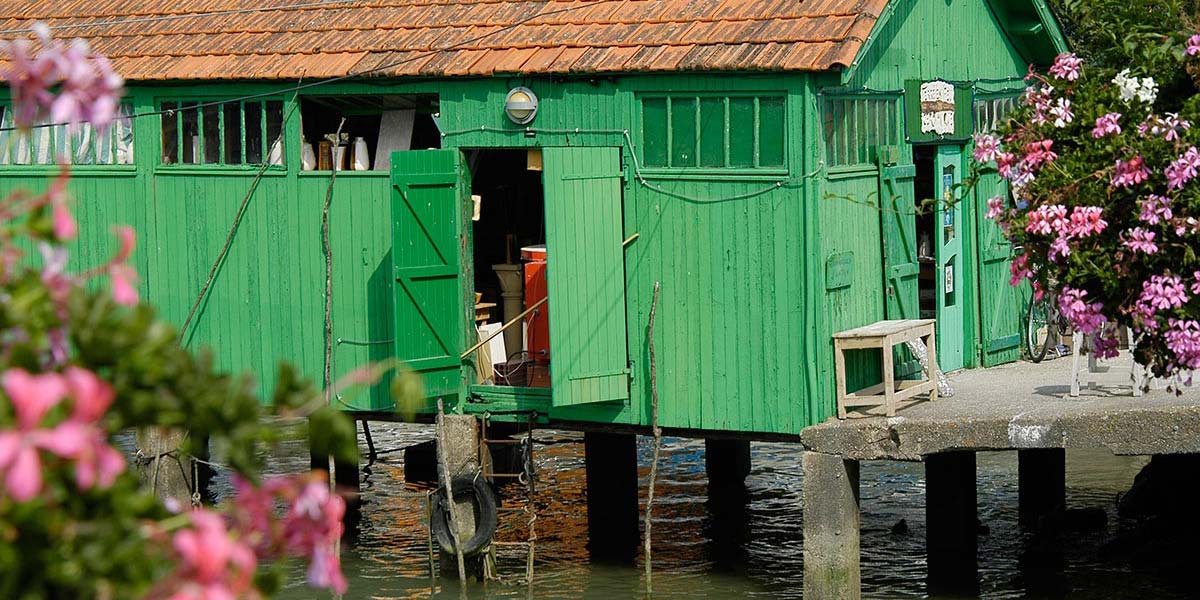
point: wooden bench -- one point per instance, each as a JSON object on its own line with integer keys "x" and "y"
{"x": 885, "y": 335}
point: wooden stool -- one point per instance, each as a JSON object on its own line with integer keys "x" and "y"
{"x": 885, "y": 335}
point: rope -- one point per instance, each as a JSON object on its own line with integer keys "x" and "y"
{"x": 233, "y": 229}
{"x": 657, "y": 438}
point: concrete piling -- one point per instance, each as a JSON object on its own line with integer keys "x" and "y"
{"x": 1042, "y": 483}
{"x": 164, "y": 468}
{"x": 951, "y": 521}
{"x": 610, "y": 461}
{"x": 831, "y": 528}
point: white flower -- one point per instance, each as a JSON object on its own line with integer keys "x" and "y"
{"x": 1148, "y": 91}
{"x": 1128, "y": 86}
{"x": 1062, "y": 112}
{"x": 1145, "y": 90}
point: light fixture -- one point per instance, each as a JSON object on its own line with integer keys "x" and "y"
{"x": 521, "y": 105}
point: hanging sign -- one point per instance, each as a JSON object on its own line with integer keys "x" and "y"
{"x": 949, "y": 278}
{"x": 937, "y": 108}
{"x": 937, "y": 111}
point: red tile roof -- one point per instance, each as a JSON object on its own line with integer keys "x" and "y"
{"x": 272, "y": 39}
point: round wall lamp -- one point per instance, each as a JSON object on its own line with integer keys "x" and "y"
{"x": 521, "y": 105}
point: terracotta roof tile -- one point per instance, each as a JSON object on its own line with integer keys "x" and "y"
{"x": 238, "y": 39}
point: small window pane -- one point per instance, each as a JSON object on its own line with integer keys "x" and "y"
{"x": 233, "y": 133}
{"x": 212, "y": 134}
{"x": 275, "y": 131}
{"x": 712, "y": 132}
{"x": 170, "y": 133}
{"x": 683, "y": 132}
{"x": 741, "y": 132}
{"x": 190, "y": 115}
{"x": 654, "y": 131}
{"x": 254, "y": 133}
{"x": 770, "y": 132}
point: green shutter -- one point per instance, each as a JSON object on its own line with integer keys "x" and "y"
{"x": 999, "y": 303}
{"x": 900, "y": 265}
{"x": 430, "y": 204}
{"x": 585, "y": 264}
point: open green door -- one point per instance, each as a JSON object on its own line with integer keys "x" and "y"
{"x": 1000, "y": 304}
{"x": 430, "y": 205}
{"x": 900, "y": 264}
{"x": 585, "y": 267}
{"x": 948, "y": 235}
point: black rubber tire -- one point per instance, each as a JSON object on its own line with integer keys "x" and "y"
{"x": 1039, "y": 313}
{"x": 482, "y": 498}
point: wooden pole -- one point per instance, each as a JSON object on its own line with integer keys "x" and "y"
{"x": 446, "y": 482}
{"x": 657, "y": 439}
{"x": 514, "y": 321}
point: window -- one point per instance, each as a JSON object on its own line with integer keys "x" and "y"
{"x": 855, "y": 128}
{"x": 233, "y": 133}
{"x": 78, "y": 145}
{"x": 713, "y": 132}
{"x": 991, "y": 112}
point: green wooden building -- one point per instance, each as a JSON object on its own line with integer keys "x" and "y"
{"x": 764, "y": 162}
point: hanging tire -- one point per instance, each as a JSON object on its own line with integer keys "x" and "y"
{"x": 483, "y": 500}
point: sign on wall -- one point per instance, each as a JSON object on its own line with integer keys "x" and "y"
{"x": 937, "y": 111}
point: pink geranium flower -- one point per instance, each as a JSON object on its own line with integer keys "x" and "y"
{"x": 1155, "y": 209}
{"x": 987, "y": 148}
{"x": 1140, "y": 240}
{"x": 1067, "y": 66}
{"x": 1108, "y": 124}
{"x": 32, "y": 396}
{"x": 1183, "y": 169}
{"x": 213, "y": 565}
{"x": 1163, "y": 292}
{"x": 1087, "y": 317}
{"x": 1130, "y": 172}
{"x": 1193, "y": 45}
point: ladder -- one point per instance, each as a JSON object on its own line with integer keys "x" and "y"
{"x": 526, "y": 477}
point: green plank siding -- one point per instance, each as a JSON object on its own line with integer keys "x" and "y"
{"x": 758, "y": 260}
{"x": 586, "y": 276}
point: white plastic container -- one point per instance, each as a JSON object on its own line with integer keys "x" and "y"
{"x": 362, "y": 160}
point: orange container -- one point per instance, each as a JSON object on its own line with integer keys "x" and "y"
{"x": 537, "y": 324}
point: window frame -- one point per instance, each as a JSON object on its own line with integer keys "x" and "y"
{"x": 895, "y": 129}
{"x": 12, "y": 168}
{"x": 715, "y": 172}
{"x": 179, "y": 105}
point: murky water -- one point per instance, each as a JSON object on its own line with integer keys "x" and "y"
{"x": 755, "y": 554}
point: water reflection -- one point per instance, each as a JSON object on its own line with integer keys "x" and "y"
{"x": 717, "y": 550}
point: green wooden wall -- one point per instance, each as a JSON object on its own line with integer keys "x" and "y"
{"x": 746, "y": 308}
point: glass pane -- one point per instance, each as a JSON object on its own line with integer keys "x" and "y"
{"x": 83, "y": 141}
{"x": 254, "y": 133}
{"x": 6, "y": 137}
{"x": 654, "y": 131}
{"x": 190, "y": 116}
{"x": 233, "y": 133}
{"x": 275, "y": 131}
{"x": 170, "y": 135}
{"x": 712, "y": 132}
{"x": 122, "y": 130}
{"x": 770, "y": 132}
{"x": 741, "y": 132}
{"x": 212, "y": 135}
{"x": 683, "y": 132}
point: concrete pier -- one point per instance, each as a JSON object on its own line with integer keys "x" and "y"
{"x": 1022, "y": 407}
{"x": 831, "y": 528}
{"x": 610, "y": 461}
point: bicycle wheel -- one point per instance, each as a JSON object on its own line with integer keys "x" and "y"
{"x": 1037, "y": 329}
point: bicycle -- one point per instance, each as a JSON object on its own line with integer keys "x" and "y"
{"x": 1043, "y": 323}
